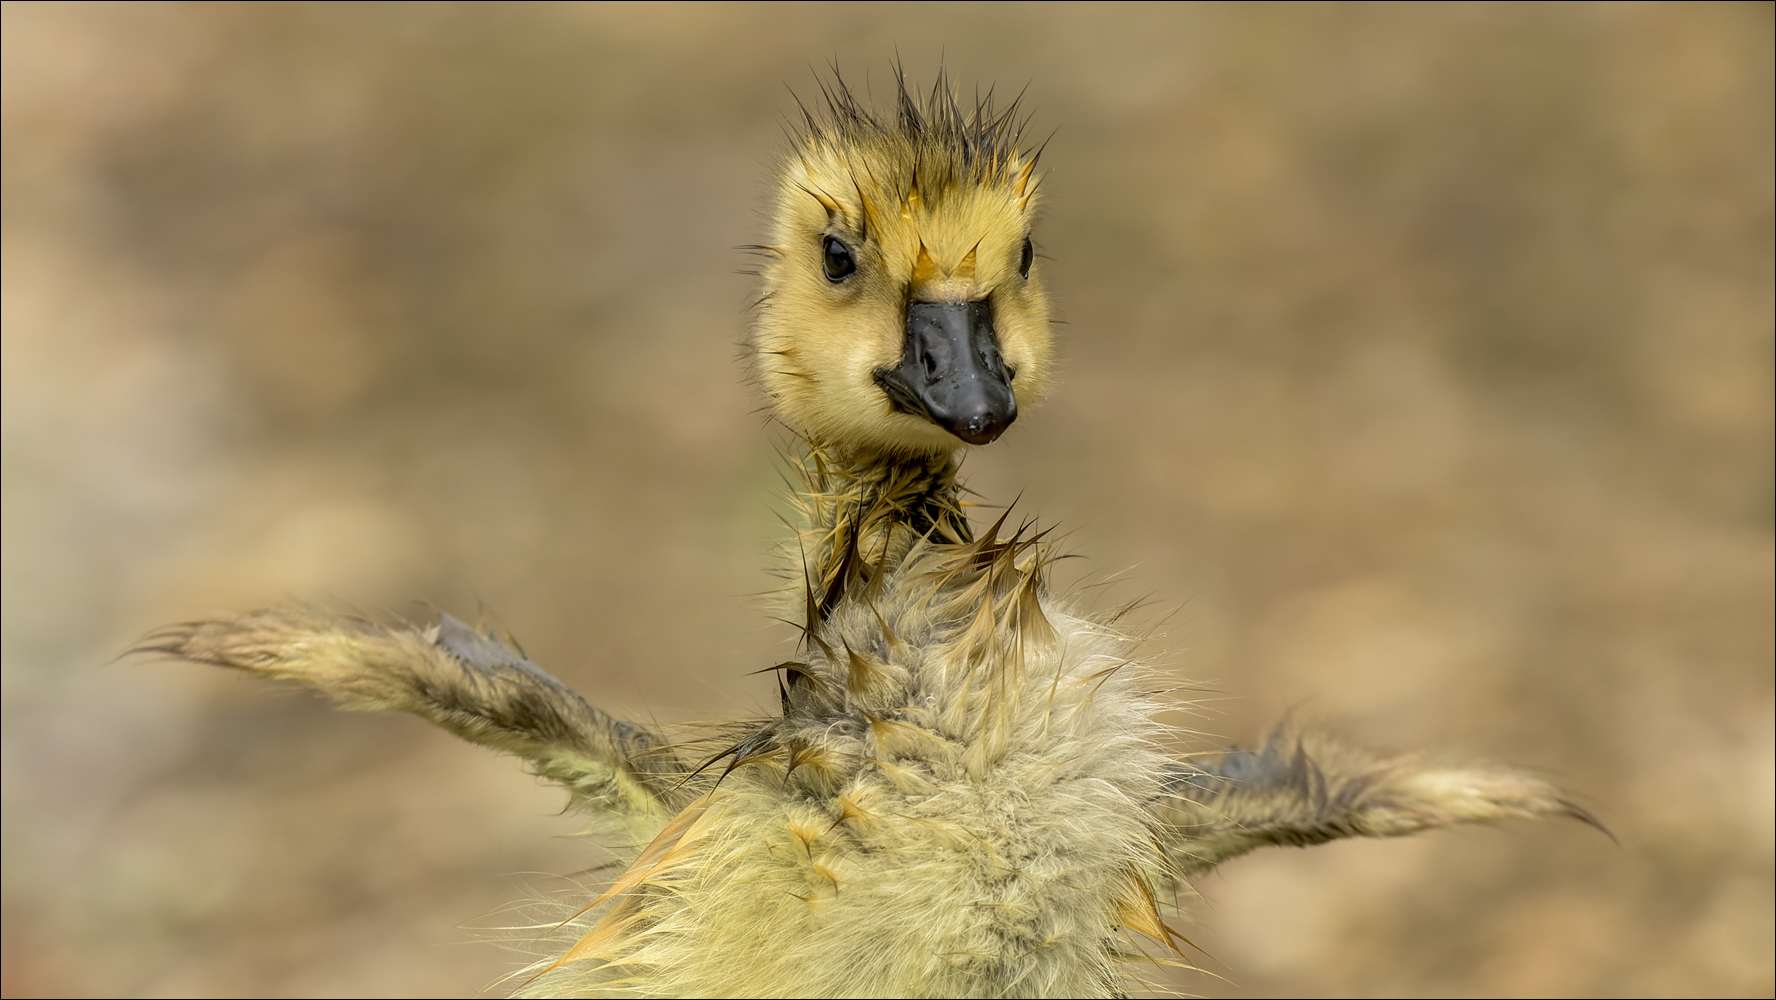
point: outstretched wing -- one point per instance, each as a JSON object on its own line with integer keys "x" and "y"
{"x": 1300, "y": 790}
{"x": 456, "y": 677}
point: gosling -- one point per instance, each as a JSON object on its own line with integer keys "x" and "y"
{"x": 965, "y": 791}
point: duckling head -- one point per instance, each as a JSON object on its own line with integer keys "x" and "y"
{"x": 903, "y": 309}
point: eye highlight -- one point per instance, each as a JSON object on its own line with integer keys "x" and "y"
{"x": 836, "y": 259}
{"x": 1027, "y": 259}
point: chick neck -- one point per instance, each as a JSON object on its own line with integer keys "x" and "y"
{"x": 864, "y": 510}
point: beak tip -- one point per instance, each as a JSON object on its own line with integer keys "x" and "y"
{"x": 983, "y": 428}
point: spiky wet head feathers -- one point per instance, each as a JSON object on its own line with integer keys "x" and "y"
{"x": 933, "y": 203}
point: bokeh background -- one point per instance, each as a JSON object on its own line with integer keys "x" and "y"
{"x": 1418, "y": 364}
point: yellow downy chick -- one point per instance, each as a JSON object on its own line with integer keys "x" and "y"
{"x": 964, "y": 792}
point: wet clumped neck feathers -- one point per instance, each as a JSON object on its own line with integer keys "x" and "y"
{"x": 861, "y": 514}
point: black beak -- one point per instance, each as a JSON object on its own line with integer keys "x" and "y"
{"x": 951, "y": 373}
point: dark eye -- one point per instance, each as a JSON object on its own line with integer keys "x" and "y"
{"x": 1027, "y": 258}
{"x": 836, "y": 259}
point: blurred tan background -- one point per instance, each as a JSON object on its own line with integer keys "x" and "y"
{"x": 1418, "y": 357}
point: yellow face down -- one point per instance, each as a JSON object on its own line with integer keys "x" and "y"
{"x": 903, "y": 310}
